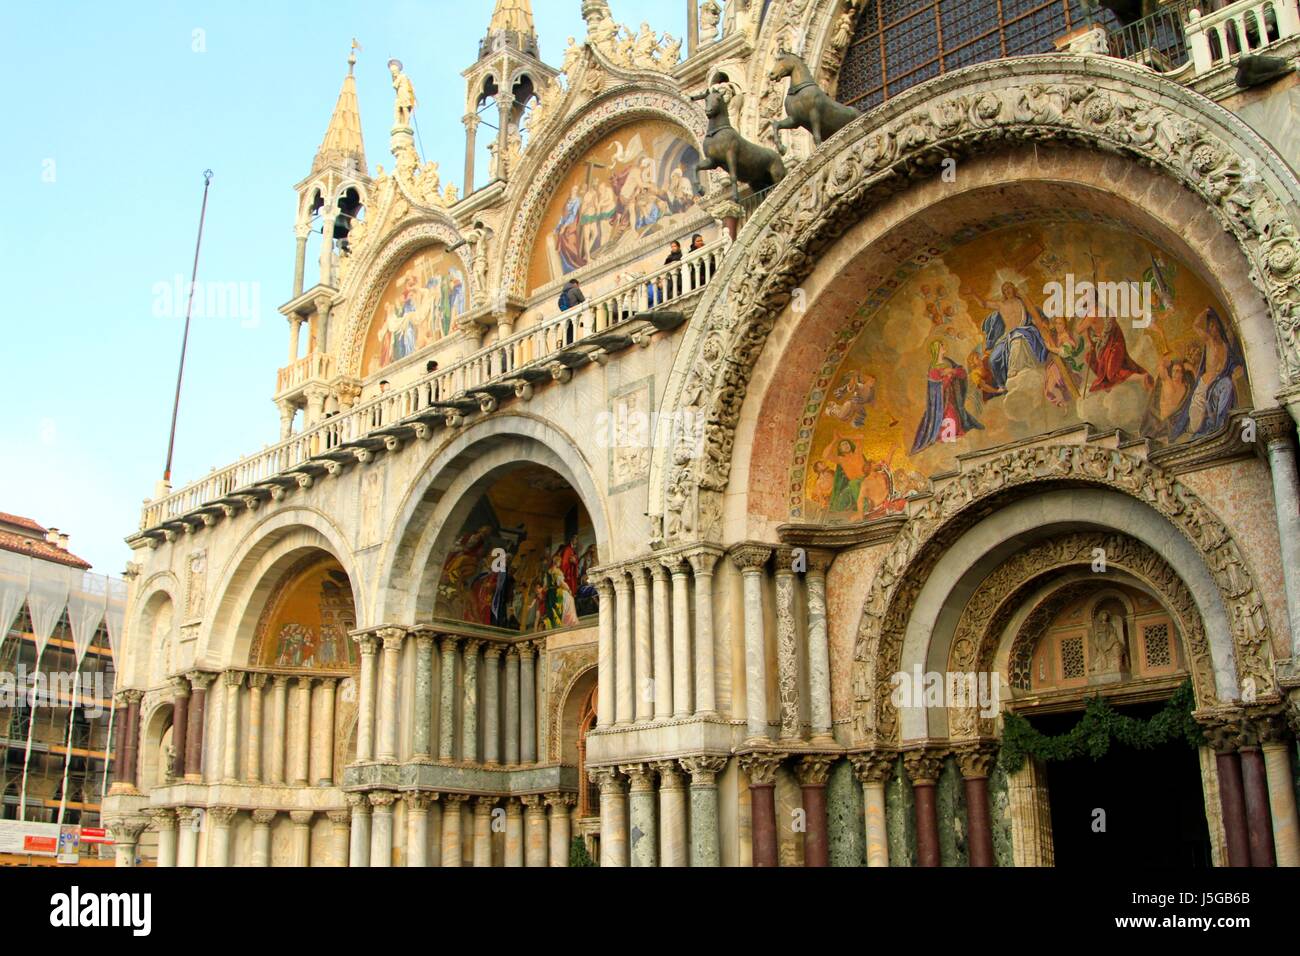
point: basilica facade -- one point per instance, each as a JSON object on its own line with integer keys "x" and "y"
{"x": 802, "y": 444}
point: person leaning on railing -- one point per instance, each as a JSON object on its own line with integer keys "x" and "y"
{"x": 670, "y": 280}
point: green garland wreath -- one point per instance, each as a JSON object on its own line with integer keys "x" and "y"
{"x": 1098, "y": 728}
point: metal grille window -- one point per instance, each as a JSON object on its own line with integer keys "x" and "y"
{"x": 1155, "y": 639}
{"x": 899, "y": 43}
{"x": 1072, "y": 666}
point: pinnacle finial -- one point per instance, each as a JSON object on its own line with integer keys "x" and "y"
{"x": 352, "y": 55}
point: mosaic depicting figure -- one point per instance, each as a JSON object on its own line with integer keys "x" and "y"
{"x": 418, "y": 308}
{"x": 308, "y": 620}
{"x": 630, "y": 185}
{"x": 1028, "y": 329}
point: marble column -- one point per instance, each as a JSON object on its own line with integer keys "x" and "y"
{"x": 813, "y": 771}
{"x": 787, "y": 647}
{"x": 280, "y": 727}
{"x": 164, "y": 821}
{"x": 750, "y": 560}
{"x": 447, "y": 699}
{"x": 368, "y": 644}
{"x": 253, "y": 759}
{"x": 663, "y": 646}
{"x": 422, "y": 732}
{"x": 819, "y": 650}
{"x": 975, "y": 761}
{"x": 125, "y": 832}
{"x": 1280, "y": 440}
{"x": 491, "y": 704}
{"x": 613, "y": 816}
{"x": 302, "y": 836}
{"x": 706, "y": 849}
{"x": 673, "y": 841}
{"x": 340, "y": 833}
{"x": 528, "y": 702}
{"x": 300, "y": 765}
{"x": 535, "y": 846}
{"x": 483, "y": 830}
{"x": 469, "y": 704}
{"x": 451, "y": 840}
{"x": 199, "y": 683}
{"x": 706, "y": 698}
{"x": 644, "y": 703}
{"x": 1224, "y": 738}
{"x": 1276, "y": 744}
{"x": 219, "y": 823}
{"x": 381, "y": 827}
{"x": 514, "y": 833}
{"x": 873, "y": 770}
{"x": 234, "y": 680}
{"x": 393, "y": 638}
{"x": 359, "y": 834}
{"x": 624, "y": 673}
{"x": 180, "y": 724}
{"x": 561, "y": 830}
{"x": 605, "y": 655}
{"x": 512, "y": 706}
{"x": 643, "y": 829}
{"x": 262, "y": 820}
{"x": 761, "y": 767}
{"x": 324, "y": 763}
{"x": 923, "y": 768}
{"x": 131, "y": 726}
{"x": 187, "y": 836}
{"x": 1259, "y": 818}
{"x": 683, "y": 692}
{"x": 417, "y": 828}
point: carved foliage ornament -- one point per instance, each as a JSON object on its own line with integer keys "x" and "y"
{"x": 1054, "y": 99}
{"x": 921, "y": 542}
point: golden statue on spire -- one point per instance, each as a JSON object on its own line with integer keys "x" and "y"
{"x": 406, "y": 102}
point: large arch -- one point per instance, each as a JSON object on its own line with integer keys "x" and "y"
{"x": 442, "y": 493}
{"x": 1090, "y": 104}
{"x": 158, "y": 590}
{"x": 268, "y": 550}
{"x": 923, "y": 567}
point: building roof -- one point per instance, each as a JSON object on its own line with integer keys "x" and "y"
{"x": 513, "y": 16}
{"x": 343, "y": 140}
{"x": 33, "y": 543}
{"x": 20, "y": 521}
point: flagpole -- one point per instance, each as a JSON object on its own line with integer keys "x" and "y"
{"x": 185, "y": 338}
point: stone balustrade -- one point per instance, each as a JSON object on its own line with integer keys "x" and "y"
{"x": 1244, "y": 27}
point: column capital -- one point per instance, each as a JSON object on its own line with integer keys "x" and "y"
{"x": 514, "y": 806}
{"x": 604, "y": 587}
{"x": 382, "y": 799}
{"x": 1273, "y": 425}
{"x": 923, "y": 765}
{"x": 670, "y": 774}
{"x": 281, "y": 680}
{"x": 492, "y": 650}
{"x": 561, "y": 801}
{"x": 760, "y": 766}
{"x": 819, "y": 560}
{"x": 704, "y": 769}
{"x": 188, "y": 816}
{"x": 305, "y": 681}
{"x": 813, "y": 769}
{"x": 263, "y": 818}
{"x": 127, "y": 829}
{"x": 447, "y": 643}
{"x": 357, "y": 802}
{"x": 223, "y": 816}
{"x": 180, "y": 686}
{"x": 750, "y": 557}
{"x": 162, "y": 818}
{"x": 233, "y": 678}
{"x": 641, "y": 776}
{"x": 417, "y": 801}
{"x": 392, "y": 637}
{"x": 367, "y": 642}
{"x": 1224, "y": 731}
{"x": 606, "y": 778}
{"x": 873, "y": 766}
{"x": 675, "y": 564}
{"x": 328, "y": 682}
{"x": 339, "y": 818}
{"x": 658, "y": 569}
{"x": 485, "y": 805}
{"x": 975, "y": 758}
{"x": 512, "y": 653}
{"x": 472, "y": 645}
{"x": 200, "y": 680}
{"x": 257, "y": 680}
{"x": 533, "y": 802}
{"x": 302, "y": 818}
{"x": 704, "y": 560}
{"x": 425, "y": 640}
{"x": 621, "y": 583}
{"x": 133, "y": 696}
{"x": 454, "y": 799}
{"x": 527, "y": 650}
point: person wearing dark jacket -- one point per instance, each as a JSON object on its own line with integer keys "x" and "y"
{"x": 571, "y": 296}
{"x": 670, "y": 281}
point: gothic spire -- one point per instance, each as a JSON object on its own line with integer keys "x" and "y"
{"x": 343, "y": 144}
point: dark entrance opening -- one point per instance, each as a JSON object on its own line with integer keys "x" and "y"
{"x": 1153, "y": 803}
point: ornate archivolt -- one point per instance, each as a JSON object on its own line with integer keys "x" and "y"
{"x": 1000, "y": 595}
{"x": 544, "y": 169}
{"x": 379, "y": 264}
{"x": 1096, "y": 103}
{"x": 959, "y": 503}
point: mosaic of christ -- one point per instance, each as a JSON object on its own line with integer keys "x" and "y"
{"x": 632, "y": 184}
{"x": 419, "y": 306}
{"x": 521, "y": 558}
{"x": 1022, "y": 331}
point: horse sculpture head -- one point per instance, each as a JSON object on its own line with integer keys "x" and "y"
{"x": 787, "y": 64}
{"x": 715, "y": 103}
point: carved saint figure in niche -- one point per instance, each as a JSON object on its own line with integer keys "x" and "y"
{"x": 1109, "y": 650}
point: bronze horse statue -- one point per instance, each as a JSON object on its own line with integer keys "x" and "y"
{"x": 724, "y": 148}
{"x": 807, "y": 106}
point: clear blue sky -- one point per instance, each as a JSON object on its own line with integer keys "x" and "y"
{"x": 112, "y": 115}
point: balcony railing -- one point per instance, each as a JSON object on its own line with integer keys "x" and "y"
{"x": 316, "y": 366}
{"x": 1181, "y": 32}
{"x": 539, "y": 353}
{"x": 1158, "y": 40}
